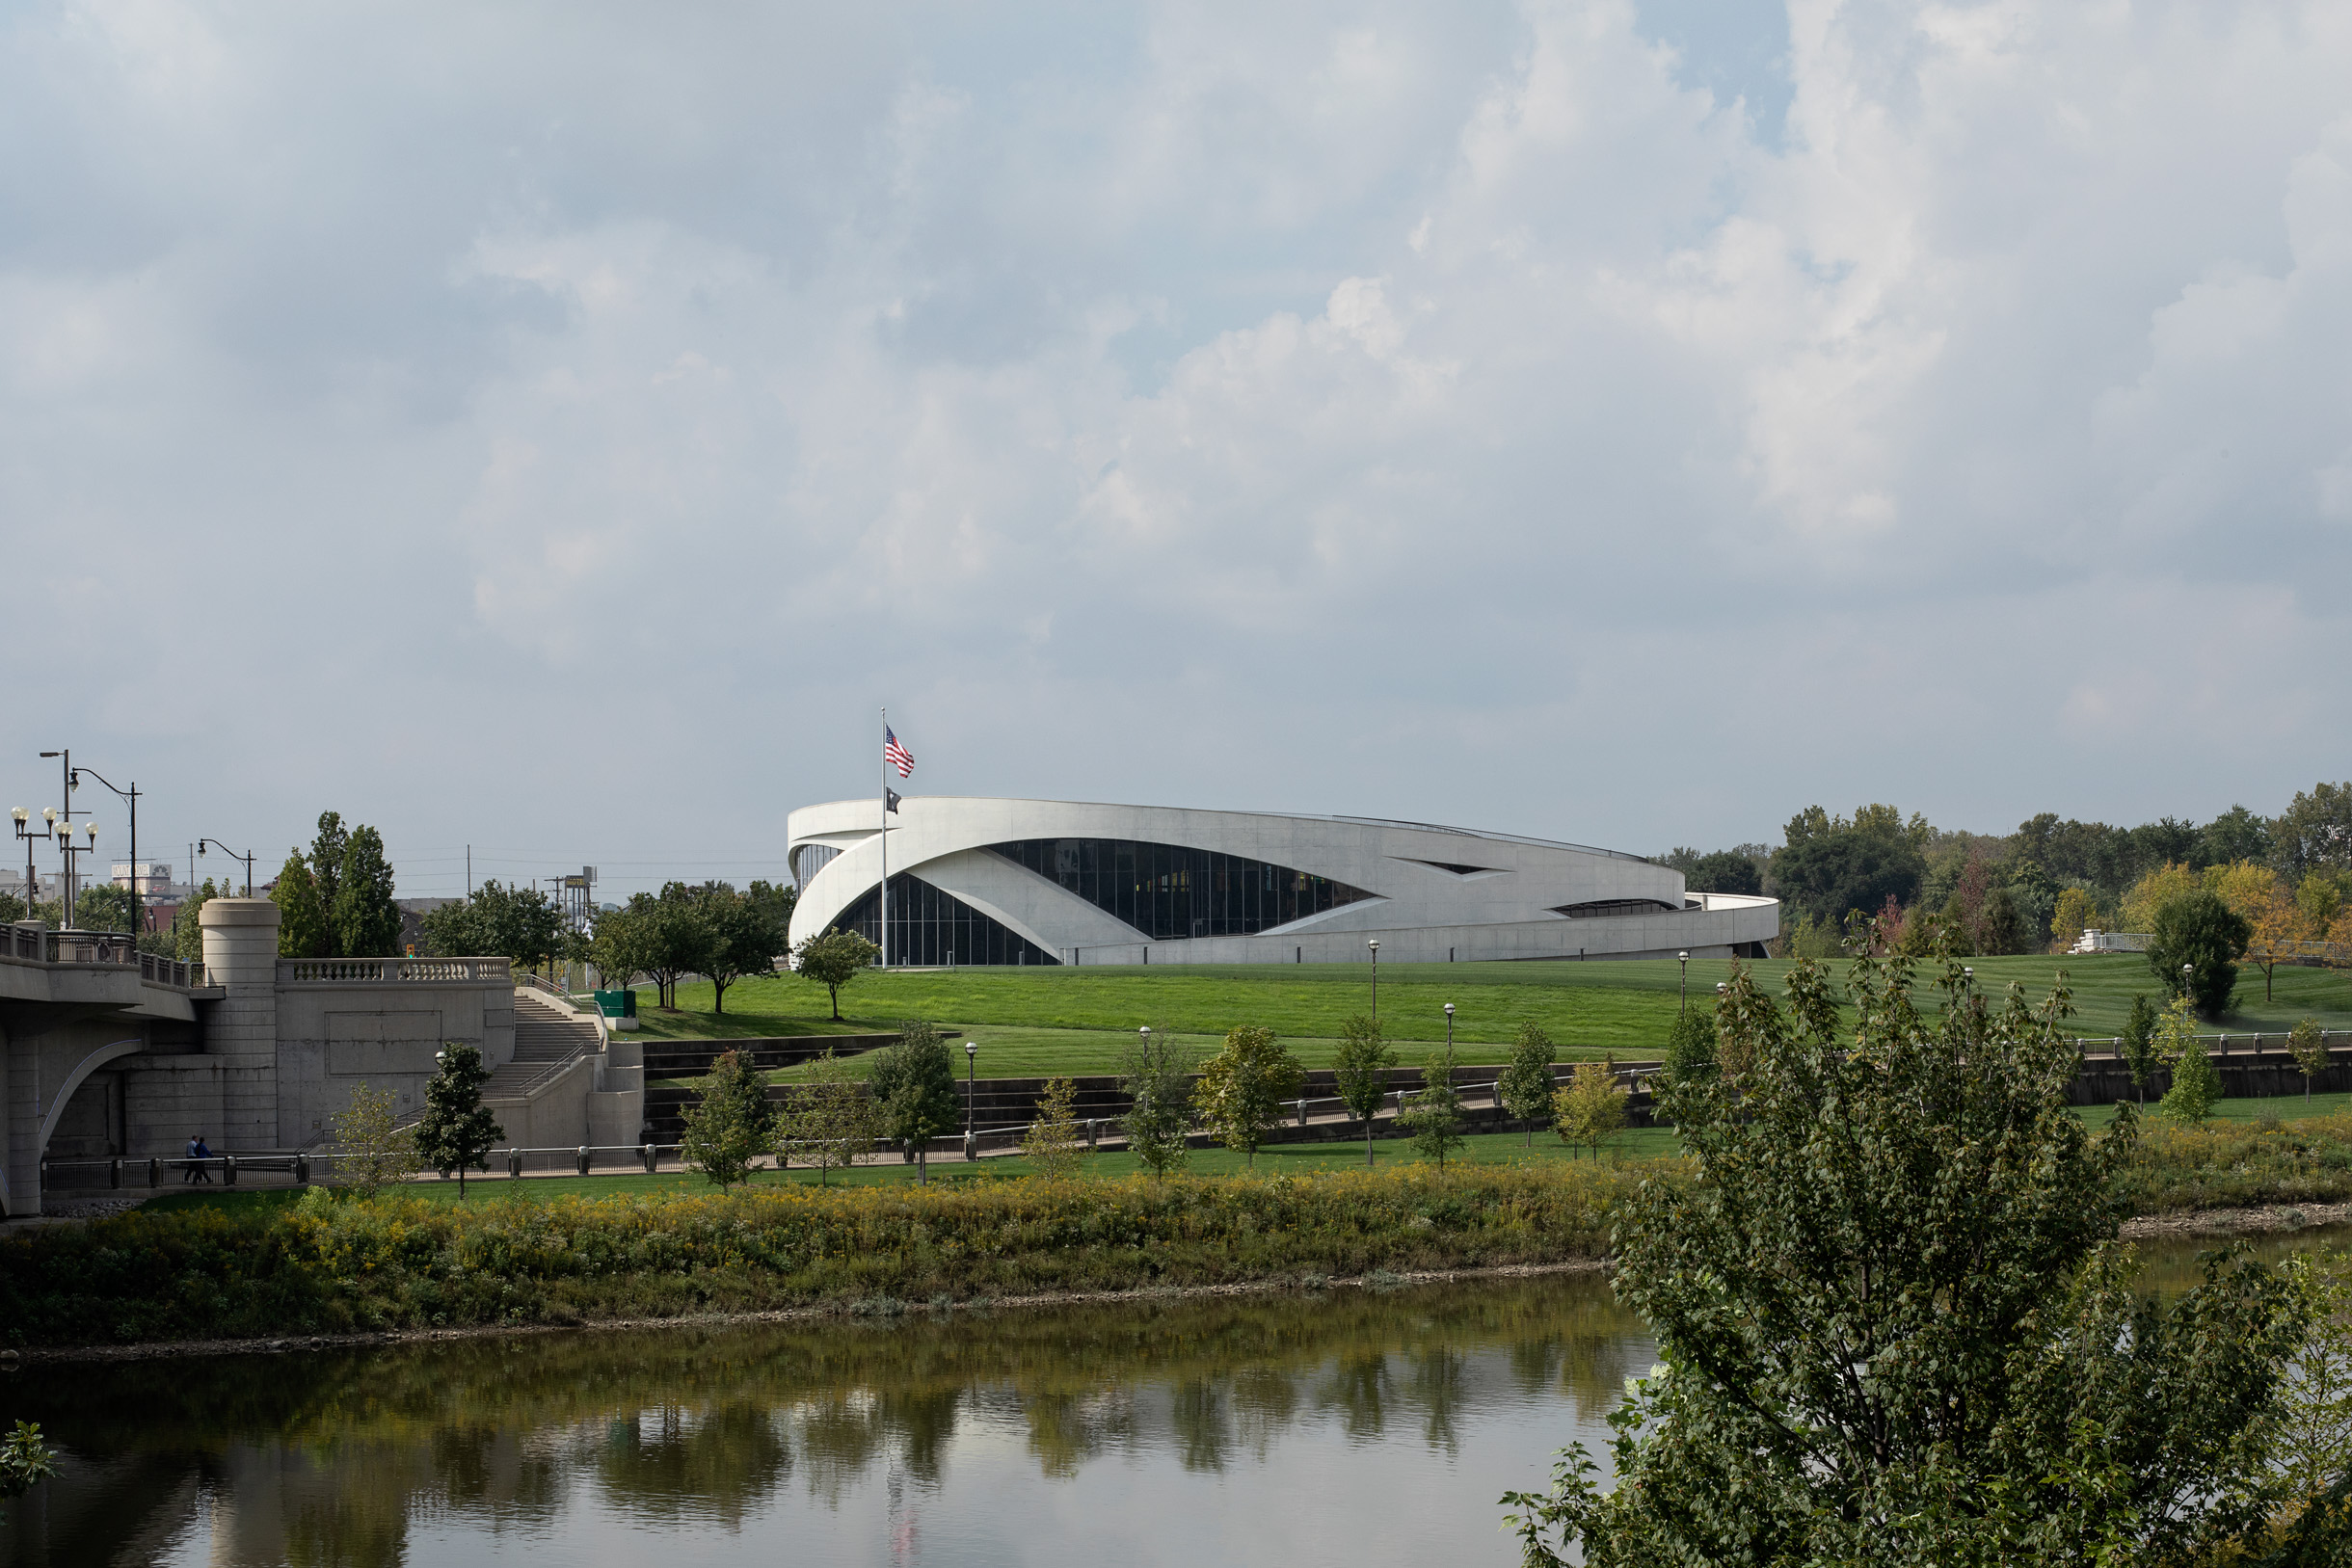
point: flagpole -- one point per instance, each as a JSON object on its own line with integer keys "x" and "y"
{"x": 885, "y": 803}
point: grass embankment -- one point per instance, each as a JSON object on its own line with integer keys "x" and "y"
{"x": 323, "y": 1265}
{"x": 1037, "y": 1022}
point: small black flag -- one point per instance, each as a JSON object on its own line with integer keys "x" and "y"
{"x": 891, "y": 800}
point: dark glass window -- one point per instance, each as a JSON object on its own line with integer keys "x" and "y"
{"x": 1172, "y": 892}
{"x": 809, "y": 859}
{"x": 1604, "y": 908}
{"x": 927, "y": 925}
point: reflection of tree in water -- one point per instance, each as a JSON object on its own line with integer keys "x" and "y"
{"x": 719, "y": 1462}
{"x": 1358, "y": 1388}
{"x": 707, "y": 1424}
{"x": 1436, "y": 1387}
{"x": 1197, "y": 1413}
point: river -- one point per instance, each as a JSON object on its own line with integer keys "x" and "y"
{"x": 1349, "y": 1427}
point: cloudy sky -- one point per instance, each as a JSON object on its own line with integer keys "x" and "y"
{"x": 558, "y": 428}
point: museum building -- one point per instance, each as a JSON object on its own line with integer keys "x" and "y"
{"x": 1016, "y": 882}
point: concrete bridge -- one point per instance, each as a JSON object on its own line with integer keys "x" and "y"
{"x": 107, "y": 1053}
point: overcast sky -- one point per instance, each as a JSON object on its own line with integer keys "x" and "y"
{"x": 560, "y": 428}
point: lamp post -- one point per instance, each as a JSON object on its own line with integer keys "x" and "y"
{"x": 232, "y": 855}
{"x": 66, "y": 846}
{"x": 21, "y": 819}
{"x": 132, "y": 795}
{"x": 1449, "y": 1031}
{"x": 1375, "y": 946}
{"x": 2187, "y": 971}
{"x": 972, "y": 1069}
{"x": 1683, "y": 985}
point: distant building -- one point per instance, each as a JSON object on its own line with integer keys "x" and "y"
{"x": 978, "y": 880}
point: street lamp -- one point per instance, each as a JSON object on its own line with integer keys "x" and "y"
{"x": 972, "y": 1068}
{"x": 2186, "y": 971}
{"x": 20, "y": 819}
{"x": 1449, "y": 1031}
{"x": 1683, "y": 985}
{"x": 67, "y": 847}
{"x": 132, "y": 795}
{"x": 232, "y": 855}
{"x": 1375, "y": 946}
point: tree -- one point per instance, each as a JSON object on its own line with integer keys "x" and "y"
{"x": 1829, "y": 866}
{"x": 2003, "y": 928}
{"x": 915, "y": 1083}
{"x": 1894, "y": 1324}
{"x": 2075, "y": 911}
{"x": 1525, "y": 1087}
{"x": 2277, "y": 922}
{"x": 12, "y": 908}
{"x": 832, "y": 960}
{"x": 1157, "y": 1076}
{"x": 2206, "y": 935}
{"x": 24, "y": 1459}
{"x": 2165, "y": 885}
{"x": 740, "y": 937}
{"x": 1361, "y": 1065}
{"x": 457, "y": 1131}
{"x": 731, "y": 1126}
{"x": 303, "y": 928}
{"x": 1689, "y": 1047}
{"x": 103, "y": 907}
{"x": 1243, "y": 1089}
{"x": 2316, "y": 831}
{"x": 1727, "y": 870}
{"x": 366, "y": 919}
{"x": 2139, "y": 1045}
{"x": 519, "y": 923}
{"x": 2310, "y": 1047}
{"x": 327, "y": 849}
{"x": 373, "y": 1150}
{"x": 2314, "y": 1429}
{"x": 832, "y": 1123}
{"x": 1433, "y": 1115}
{"x": 1592, "y": 1108}
{"x": 187, "y": 933}
{"x": 774, "y": 905}
{"x": 2196, "y": 1086}
{"x": 617, "y": 946}
{"x": 1053, "y": 1144}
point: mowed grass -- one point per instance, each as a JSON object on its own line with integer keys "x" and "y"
{"x": 1032, "y": 1022}
{"x": 1279, "y": 1160}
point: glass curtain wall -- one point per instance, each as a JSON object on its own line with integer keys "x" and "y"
{"x": 1172, "y": 893}
{"x": 926, "y": 926}
{"x": 809, "y": 859}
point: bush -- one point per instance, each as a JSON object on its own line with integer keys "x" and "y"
{"x": 398, "y": 1263}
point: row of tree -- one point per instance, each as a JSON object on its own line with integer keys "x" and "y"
{"x": 337, "y": 901}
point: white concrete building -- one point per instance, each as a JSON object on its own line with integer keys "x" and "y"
{"x": 975, "y": 881}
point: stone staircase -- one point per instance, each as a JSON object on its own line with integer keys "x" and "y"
{"x": 546, "y": 1037}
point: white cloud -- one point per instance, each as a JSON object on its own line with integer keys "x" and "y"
{"x": 1443, "y": 411}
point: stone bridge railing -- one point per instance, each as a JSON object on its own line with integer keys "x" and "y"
{"x": 392, "y": 971}
{"x": 43, "y": 946}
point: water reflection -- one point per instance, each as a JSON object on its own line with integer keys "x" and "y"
{"x": 1035, "y": 1431}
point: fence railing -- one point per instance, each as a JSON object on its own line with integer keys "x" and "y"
{"x": 390, "y": 971}
{"x": 43, "y": 946}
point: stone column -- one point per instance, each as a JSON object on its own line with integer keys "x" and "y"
{"x": 241, "y": 1031}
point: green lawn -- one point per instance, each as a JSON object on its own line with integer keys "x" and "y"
{"x": 1029, "y": 1023}
{"x": 1280, "y": 1159}
{"x": 1283, "y": 1159}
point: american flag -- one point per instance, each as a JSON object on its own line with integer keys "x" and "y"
{"x": 896, "y": 755}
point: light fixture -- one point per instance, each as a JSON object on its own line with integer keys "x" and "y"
{"x": 48, "y": 814}
{"x": 21, "y": 815}
{"x": 93, "y": 829}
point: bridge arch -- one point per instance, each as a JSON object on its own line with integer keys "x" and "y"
{"x": 112, "y": 1051}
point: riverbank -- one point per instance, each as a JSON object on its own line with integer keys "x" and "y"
{"x": 332, "y": 1268}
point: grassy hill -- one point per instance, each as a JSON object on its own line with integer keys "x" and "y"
{"x": 1038, "y": 1021}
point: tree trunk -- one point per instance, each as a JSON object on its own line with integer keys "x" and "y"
{"x": 922, "y": 1163}
{"x": 1367, "y": 1141}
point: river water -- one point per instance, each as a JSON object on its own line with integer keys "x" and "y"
{"x": 1345, "y": 1428}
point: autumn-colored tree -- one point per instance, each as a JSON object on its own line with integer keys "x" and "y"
{"x": 2150, "y": 895}
{"x": 2307, "y": 1044}
{"x": 2077, "y": 911}
{"x": 2278, "y": 931}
